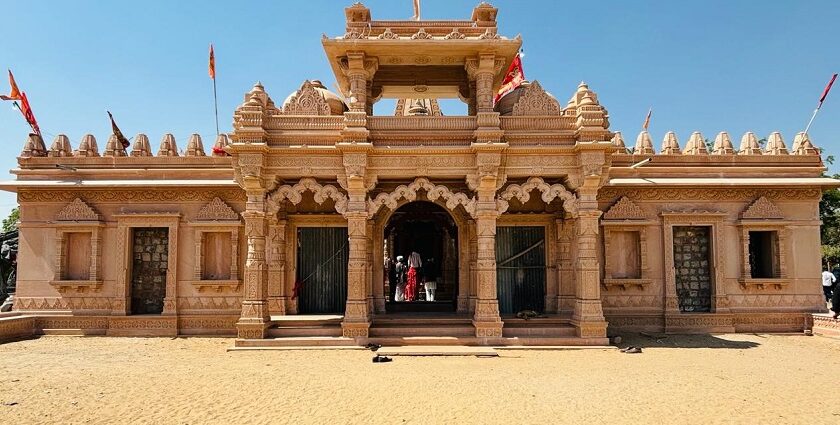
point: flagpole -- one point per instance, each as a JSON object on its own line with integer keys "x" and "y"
{"x": 216, "y": 105}
{"x": 814, "y": 115}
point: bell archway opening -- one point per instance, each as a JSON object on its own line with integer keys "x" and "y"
{"x": 428, "y": 230}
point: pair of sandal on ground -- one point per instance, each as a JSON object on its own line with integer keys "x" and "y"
{"x": 631, "y": 350}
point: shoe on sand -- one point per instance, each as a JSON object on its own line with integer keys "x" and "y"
{"x": 633, "y": 350}
{"x": 381, "y": 359}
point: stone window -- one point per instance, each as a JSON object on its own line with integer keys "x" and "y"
{"x": 77, "y": 258}
{"x": 625, "y": 254}
{"x": 216, "y": 256}
{"x": 764, "y": 254}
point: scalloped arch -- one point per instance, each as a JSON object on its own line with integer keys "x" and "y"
{"x": 409, "y": 192}
{"x": 292, "y": 193}
{"x": 549, "y": 193}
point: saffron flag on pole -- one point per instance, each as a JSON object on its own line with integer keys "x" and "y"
{"x": 647, "y": 120}
{"x": 14, "y": 92}
{"x": 123, "y": 141}
{"x": 827, "y": 89}
{"x": 26, "y": 110}
{"x": 514, "y": 78}
{"x": 211, "y": 67}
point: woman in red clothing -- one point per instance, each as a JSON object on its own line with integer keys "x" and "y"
{"x": 414, "y": 264}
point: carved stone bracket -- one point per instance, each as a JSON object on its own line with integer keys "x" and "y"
{"x": 433, "y": 193}
{"x": 549, "y": 193}
{"x": 292, "y": 193}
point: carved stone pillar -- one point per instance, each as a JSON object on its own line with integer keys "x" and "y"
{"x": 486, "y": 320}
{"x": 588, "y": 316}
{"x": 255, "y": 319}
{"x": 276, "y": 250}
{"x": 473, "y": 258}
{"x": 356, "y": 317}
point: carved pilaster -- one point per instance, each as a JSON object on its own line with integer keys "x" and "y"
{"x": 254, "y": 320}
{"x": 276, "y": 252}
{"x": 588, "y": 316}
{"x": 565, "y": 270}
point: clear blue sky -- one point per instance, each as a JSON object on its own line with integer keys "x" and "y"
{"x": 703, "y": 66}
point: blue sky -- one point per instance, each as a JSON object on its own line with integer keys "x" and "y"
{"x": 703, "y": 66}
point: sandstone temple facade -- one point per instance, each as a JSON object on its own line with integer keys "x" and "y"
{"x": 281, "y": 236}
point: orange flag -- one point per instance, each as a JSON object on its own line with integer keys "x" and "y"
{"x": 211, "y": 68}
{"x": 14, "y": 93}
{"x": 647, "y": 120}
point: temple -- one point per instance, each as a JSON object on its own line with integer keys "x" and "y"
{"x": 543, "y": 226}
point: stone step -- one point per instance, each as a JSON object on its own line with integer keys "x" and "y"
{"x": 303, "y": 320}
{"x": 428, "y": 330}
{"x": 538, "y": 331}
{"x": 312, "y": 341}
{"x": 421, "y": 321}
{"x": 286, "y": 331}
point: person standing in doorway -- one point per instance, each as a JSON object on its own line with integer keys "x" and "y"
{"x": 430, "y": 276}
{"x": 399, "y": 271}
{"x": 414, "y": 265}
{"x": 828, "y": 281}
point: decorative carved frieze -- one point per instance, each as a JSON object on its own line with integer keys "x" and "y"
{"x": 535, "y": 101}
{"x": 625, "y": 209}
{"x": 549, "y": 193}
{"x": 132, "y": 196}
{"x": 762, "y": 208}
{"x": 77, "y": 210}
{"x": 707, "y": 194}
{"x": 217, "y": 209}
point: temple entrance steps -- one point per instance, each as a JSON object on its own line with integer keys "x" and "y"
{"x": 542, "y": 327}
{"x": 421, "y": 325}
{"x": 320, "y": 325}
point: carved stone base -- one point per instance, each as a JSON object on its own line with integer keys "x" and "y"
{"x": 488, "y": 329}
{"x": 251, "y": 330}
{"x": 355, "y": 329}
{"x": 590, "y": 329}
{"x": 277, "y": 306}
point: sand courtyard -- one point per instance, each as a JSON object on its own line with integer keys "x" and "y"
{"x": 680, "y": 379}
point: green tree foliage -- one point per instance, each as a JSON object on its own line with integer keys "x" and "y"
{"x": 830, "y": 216}
{"x": 11, "y": 222}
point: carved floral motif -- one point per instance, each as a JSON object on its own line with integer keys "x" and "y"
{"x": 307, "y": 101}
{"x": 77, "y": 210}
{"x": 625, "y": 209}
{"x": 536, "y": 101}
{"x": 409, "y": 192}
{"x": 293, "y": 194}
{"x": 762, "y": 208}
{"x": 217, "y": 209}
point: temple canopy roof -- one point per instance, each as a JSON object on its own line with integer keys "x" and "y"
{"x": 410, "y": 57}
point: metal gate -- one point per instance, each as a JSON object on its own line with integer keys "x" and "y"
{"x": 520, "y": 268}
{"x": 322, "y": 255}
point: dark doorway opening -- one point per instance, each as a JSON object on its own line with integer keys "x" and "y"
{"x": 429, "y": 230}
{"x": 150, "y": 262}
{"x": 520, "y": 268}
{"x": 322, "y": 257}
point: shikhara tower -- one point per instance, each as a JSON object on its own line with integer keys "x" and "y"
{"x": 526, "y": 205}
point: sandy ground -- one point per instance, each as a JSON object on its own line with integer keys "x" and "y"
{"x": 698, "y": 379}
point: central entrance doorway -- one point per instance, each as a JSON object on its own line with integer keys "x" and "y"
{"x": 428, "y": 230}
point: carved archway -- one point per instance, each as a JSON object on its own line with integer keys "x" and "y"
{"x": 293, "y": 194}
{"x": 549, "y": 193}
{"x": 433, "y": 194}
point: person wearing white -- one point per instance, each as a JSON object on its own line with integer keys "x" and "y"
{"x": 828, "y": 280}
{"x": 430, "y": 276}
{"x": 400, "y": 272}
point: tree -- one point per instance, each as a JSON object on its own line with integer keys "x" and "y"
{"x": 830, "y": 217}
{"x": 11, "y": 222}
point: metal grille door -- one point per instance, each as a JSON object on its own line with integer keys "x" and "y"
{"x": 520, "y": 268}
{"x": 322, "y": 257}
